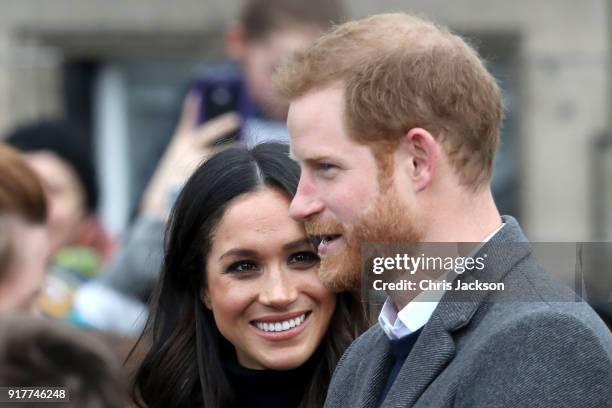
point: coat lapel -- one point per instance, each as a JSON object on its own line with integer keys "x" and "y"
{"x": 373, "y": 372}
{"x": 431, "y": 353}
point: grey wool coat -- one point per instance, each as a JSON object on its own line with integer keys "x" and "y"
{"x": 532, "y": 345}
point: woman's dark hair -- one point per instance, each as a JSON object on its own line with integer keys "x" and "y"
{"x": 183, "y": 365}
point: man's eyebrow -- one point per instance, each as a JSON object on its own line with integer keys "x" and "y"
{"x": 318, "y": 158}
{"x": 314, "y": 158}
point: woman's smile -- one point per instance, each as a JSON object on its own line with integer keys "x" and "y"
{"x": 279, "y": 329}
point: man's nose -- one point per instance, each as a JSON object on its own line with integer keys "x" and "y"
{"x": 305, "y": 203}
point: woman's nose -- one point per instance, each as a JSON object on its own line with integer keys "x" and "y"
{"x": 278, "y": 290}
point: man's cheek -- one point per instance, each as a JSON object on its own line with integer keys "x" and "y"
{"x": 354, "y": 203}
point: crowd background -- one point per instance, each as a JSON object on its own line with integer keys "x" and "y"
{"x": 119, "y": 72}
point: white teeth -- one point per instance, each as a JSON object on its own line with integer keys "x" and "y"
{"x": 281, "y": 326}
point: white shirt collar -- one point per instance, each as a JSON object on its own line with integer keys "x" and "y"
{"x": 410, "y": 319}
{"x": 417, "y": 312}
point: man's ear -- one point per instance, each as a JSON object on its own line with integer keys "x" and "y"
{"x": 420, "y": 153}
{"x": 205, "y": 298}
{"x": 235, "y": 43}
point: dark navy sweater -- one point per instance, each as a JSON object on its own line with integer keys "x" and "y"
{"x": 399, "y": 350}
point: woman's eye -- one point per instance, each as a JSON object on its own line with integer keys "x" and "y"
{"x": 242, "y": 266}
{"x": 304, "y": 259}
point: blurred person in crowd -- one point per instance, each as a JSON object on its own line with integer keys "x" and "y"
{"x": 396, "y": 140}
{"x": 266, "y": 32}
{"x": 24, "y": 240}
{"x": 60, "y": 156}
{"x": 36, "y": 352}
{"x": 240, "y": 317}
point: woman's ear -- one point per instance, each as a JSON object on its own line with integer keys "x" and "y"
{"x": 205, "y": 298}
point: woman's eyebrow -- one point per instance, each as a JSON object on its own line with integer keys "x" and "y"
{"x": 296, "y": 244}
{"x": 239, "y": 252}
{"x": 252, "y": 254}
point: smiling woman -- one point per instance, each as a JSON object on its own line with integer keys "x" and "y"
{"x": 240, "y": 317}
{"x": 262, "y": 284}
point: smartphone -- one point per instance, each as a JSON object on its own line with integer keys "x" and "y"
{"x": 219, "y": 95}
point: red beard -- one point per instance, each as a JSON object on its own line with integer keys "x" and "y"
{"x": 389, "y": 220}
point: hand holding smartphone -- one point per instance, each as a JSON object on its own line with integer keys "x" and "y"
{"x": 220, "y": 94}
{"x": 191, "y": 143}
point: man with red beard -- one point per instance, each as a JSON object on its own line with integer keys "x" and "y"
{"x": 395, "y": 122}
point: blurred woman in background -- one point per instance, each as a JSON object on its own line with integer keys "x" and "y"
{"x": 240, "y": 317}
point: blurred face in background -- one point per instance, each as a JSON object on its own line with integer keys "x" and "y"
{"x": 260, "y": 57}
{"x": 65, "y": 196}
{"x": 25, "y": 252}
{"x": 263, "y": 286}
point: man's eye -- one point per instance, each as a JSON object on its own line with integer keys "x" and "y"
{"x": 304, "y": 259}
{"x": 326, "y": 166}
{"x": 242, "y": 266}
{"x": 326, "y": 169}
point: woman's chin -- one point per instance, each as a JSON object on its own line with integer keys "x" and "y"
{"x": 284, "y": 360}
{"x": 286, "y": 365}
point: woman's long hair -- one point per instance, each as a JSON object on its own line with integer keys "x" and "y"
{"x": 182, "y": 365}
